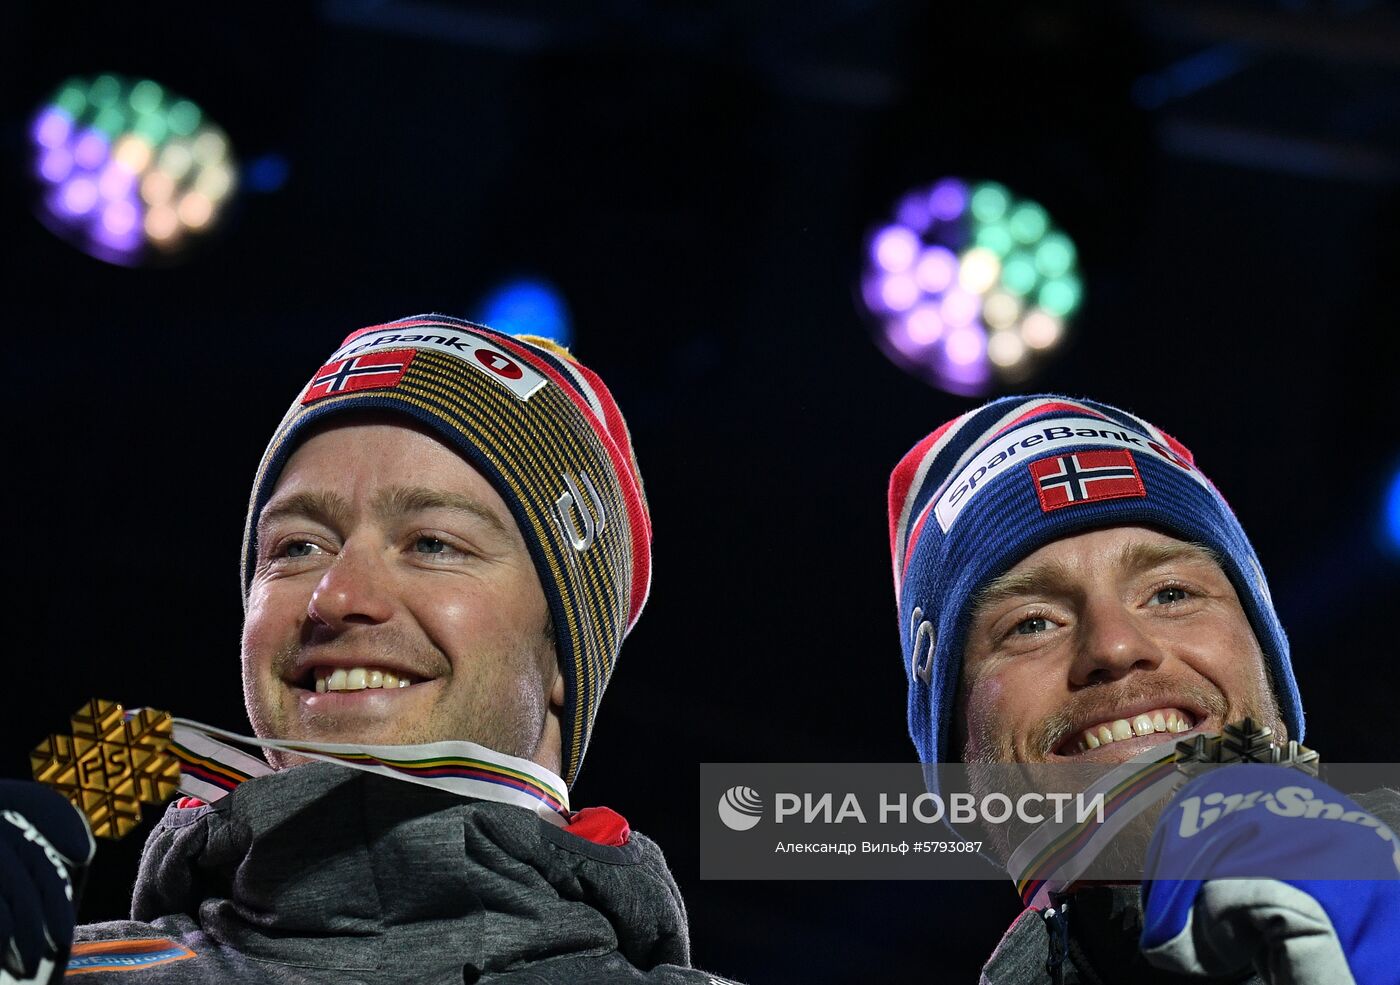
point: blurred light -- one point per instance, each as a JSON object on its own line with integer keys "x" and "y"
{"x": 979, "y": 271}
{"x": 90, "y": 150}
{"x": 959, "y": 308}
{"x": 1060, "y": 297}
{"x": 267, "y": 173}
{"x": 948, "y": 199}
{"x": 194, "y": 209}
{"x": 157, "y": 187}
{"x": 1040, "y": 329}
{"x": 80, "y": 195}
{"x": 1027, "y": 223}
{"x": 1001, "y": 310}
{"x": 995, "y": 237}
{"x": 1392, "y": 512}
{"x": 162, "y": 223}
{"x": 925, "y": 324}
{"x": 56, "y": 164}
{"x": 133, "y": 153}
{"x": 895, "y": 248}
{"x": 968, "y": 284}
{"x": 936, "y": 268}
{"x": 119, "y": 217}
{"x": 1055, "y": 255}
{"x": 989, "y": 201}
{"x": 528, "y": 307}
{"x": 129, "y": 166}
{"x": 966, "y": 345}
{"x": 52, "y": 127}
{"x": 1005, "y": 349}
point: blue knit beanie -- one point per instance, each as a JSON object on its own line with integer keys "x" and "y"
{"x": 991, "y": 487}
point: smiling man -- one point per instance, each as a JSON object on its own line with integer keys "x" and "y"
{"x": 397, "y": 602}
{"x": 1142, "y": 635}
{"x": 1073, "y": 590}
{"x": 446, "y": 543}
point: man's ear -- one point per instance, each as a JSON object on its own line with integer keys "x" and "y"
{"x": 556, "y": 692}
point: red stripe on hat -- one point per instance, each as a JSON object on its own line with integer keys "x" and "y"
{"x": 623, "y": 465}
{"x": 901, "y": 483}
{"x": 1178, "y": 447}
{"x": 1051, "y": 408}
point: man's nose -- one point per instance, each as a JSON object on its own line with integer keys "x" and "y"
{"x": 354, "y": 590}
{"x": 1112, "y": 643}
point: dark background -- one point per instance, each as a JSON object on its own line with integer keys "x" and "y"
{"x": 698, "y": 180}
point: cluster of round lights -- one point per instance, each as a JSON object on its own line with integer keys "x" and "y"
{"x": 969, "y": 285}
{"x": 130, "y": 170}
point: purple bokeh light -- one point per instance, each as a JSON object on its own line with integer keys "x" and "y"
{"x": 56, "y": 164}
{"x": 967, "y": 378}
{"x": 914, "y": 212}
{"x": 79, "y": 195}
{"x": 117, "y": 247}
{"x": 119, "y": 217}
{"x": 966, "y": 345}
{"x": 894, "y": 248}
{"x": 959, "y": 308}
{"x": 52, "y": 127}
{"x": 899, "y": 292}
{"x": 898, "y": 337}
{"x": 925, "y": 324}
{"x": 115, "y": 181}
{"x": 90, "y": 150}
{"x": 947, "y": 199}
{"x": 935, "y": 269}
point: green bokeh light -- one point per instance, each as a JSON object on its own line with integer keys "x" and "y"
{"x": 989, "y": 201}
{"x": 1018, "y": 274}
{"x": 183, "y": 117}
{"x": 145, "y": 96}
{"x": 72, "y": 98}
{"x": 110, "y": 120}
{"x": 995, "y": 237}
{"x": 1060, "y": 296}
{"x": 104, "y": 91}
{"x": 1028, "y": 222}
{"x": 1055, "y": 255}
{"x": 152, "y": 126}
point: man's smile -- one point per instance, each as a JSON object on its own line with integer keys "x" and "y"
{"x": 1125, "y": 732}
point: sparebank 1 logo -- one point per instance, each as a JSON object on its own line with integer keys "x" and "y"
{"x": 740, "y": 808}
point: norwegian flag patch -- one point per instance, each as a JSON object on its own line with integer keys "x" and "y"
{"x": 1085, "y": 477}
{"x": 370, "y": 371}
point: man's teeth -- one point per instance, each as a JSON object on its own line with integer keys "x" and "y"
{"x": 357, "y": 679}
{"x": 1160, "y": 720}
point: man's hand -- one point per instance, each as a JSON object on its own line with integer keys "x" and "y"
{"x": 1265, "y": 867}
{"x": 43, "y": 841}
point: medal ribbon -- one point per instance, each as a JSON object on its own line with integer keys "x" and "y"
{"x": 116, "y": 760}
{"x": 1058, "y": 852}
{"x": 210, "y": 767}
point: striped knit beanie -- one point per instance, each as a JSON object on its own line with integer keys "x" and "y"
{"x": 994, "y": 485}
{"x": 545, "y": 432}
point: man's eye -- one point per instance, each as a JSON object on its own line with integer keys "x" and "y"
{"x": 1031, "y": 626}
{"x": 1170, "y": 594}
{"x": 432, "y": 545}
{"x": 298, "y": 548}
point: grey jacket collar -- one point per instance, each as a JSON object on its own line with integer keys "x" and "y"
{"x": 326, "y": 866}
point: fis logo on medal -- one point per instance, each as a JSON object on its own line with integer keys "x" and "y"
{"x": 740, "y": 808}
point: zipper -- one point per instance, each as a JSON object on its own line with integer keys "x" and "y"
{"x": 1056, "y": 917}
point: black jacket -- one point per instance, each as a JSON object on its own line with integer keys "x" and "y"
{"x": 324, "y": 874}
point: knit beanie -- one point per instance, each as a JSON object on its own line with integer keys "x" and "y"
{"x": 547, "y": 435}
{"x": 992, "y": 486}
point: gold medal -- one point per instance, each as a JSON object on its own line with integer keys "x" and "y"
{"x": 111, "y": 764}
